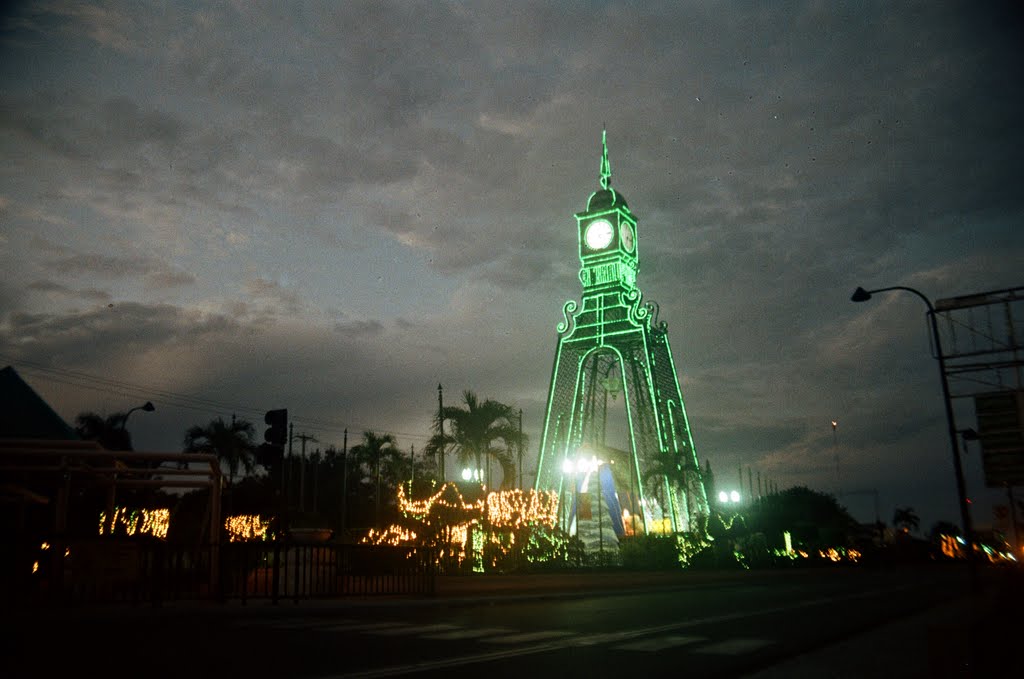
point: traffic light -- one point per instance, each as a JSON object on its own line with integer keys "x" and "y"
{"x": 269, "y": 456}
{"x": 277, "y": 432}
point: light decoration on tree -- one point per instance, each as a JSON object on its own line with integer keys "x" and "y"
{"x": 517, "y": 508}
{"x": 393, "y": 535}
{"x": 448, "y": 496}
{"x": 246, "y": 527}
{"x": 131, "y": 522}
{"x": 460, "y": 527}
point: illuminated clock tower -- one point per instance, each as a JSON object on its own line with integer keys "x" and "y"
{"x": 608, "y": 343}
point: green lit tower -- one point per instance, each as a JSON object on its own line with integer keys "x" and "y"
{"x": 612, "y": 341}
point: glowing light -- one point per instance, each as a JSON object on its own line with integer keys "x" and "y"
{"x": 394, "y": 535}
{"x": 448, "y": 497}
{"x": 734, "y": 496}
{"x": 516, "y": 508}
{"x": 244, "y": 527}
{"x": 153, "y": 522}
{"x": 723, "y": 496}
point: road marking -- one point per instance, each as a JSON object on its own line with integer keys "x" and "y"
{"x": 659, "y": 643}
{"x": 469, "y": 633}
{"x": 562, "y": 644}
{"x": 303, "y": 623}
{"x": 527, "y": 637}
{"x": 734, "y": 646}
{"x": 359, "y": 627}
{"x": 413, "y": 629}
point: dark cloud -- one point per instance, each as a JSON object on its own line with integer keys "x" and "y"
{"x": 90, "y": 294}
{"x": 365, "y": 199}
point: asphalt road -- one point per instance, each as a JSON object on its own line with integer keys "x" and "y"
{"x": 711, "y": 628}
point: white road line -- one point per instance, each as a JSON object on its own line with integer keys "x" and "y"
{"x": 469, "y": 633}
{"x": 562, "y": 644}
{"x": 659, "y": 643}
{"x": 412, "y": 629}
{"x": 527, "y": 637}
{"x": 359, "y": 627}
{"x": 304, "y": 623}
{"x": 734, "y": 646}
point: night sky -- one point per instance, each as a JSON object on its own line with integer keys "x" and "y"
{"x": 231, "y": 207}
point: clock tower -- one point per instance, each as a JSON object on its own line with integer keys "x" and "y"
{"x": 613, "y": 342}
{"x": 607, "y": 231}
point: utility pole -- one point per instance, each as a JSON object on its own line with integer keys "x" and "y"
{"x": 835, "y": 451}
{"x": 291, "y": 437}
{"x": 302, "y": 470}
{"x": 440, "y": 424}
{"x": 344, "y": 485}
{"x": 316, "y": 478}
{"x": 521, "y": 480}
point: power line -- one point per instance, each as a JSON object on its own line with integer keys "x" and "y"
{"x": 173, "y": 399}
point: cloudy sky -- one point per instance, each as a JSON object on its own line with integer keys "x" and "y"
{"x": 231, "y": 207}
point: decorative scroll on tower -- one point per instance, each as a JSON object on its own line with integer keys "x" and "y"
{"x": 612, "y": 341}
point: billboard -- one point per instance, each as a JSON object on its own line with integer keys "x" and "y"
{"x": 1001, "y": 435}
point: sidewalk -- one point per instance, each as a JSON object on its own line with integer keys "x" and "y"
{"x": 974, "y": 636}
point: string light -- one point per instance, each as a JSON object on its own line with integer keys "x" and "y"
{"x": 153, "y": 522}
{"x": 245, "y": 527}
{"x": 517, "y": 509}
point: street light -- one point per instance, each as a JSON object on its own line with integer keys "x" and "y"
{"x": 147, "y": 406}
{"x": 580, "y": 467}
{"x": 727, "y": 497}
{"x": 126, "y": 441}
{"x": 862, "y": 295}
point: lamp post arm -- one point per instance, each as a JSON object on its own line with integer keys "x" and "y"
{"x": 928, "y": 302}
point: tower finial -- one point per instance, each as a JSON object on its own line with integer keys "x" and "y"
{"x": 606, "y": 167}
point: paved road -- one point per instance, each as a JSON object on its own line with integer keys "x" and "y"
{"x": 729, "y": 627}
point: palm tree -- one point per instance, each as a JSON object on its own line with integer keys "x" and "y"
{"x": 108, "y": 431}
{"x": 478, "y": 432}
{"x": 669, "y": 472}
{"x": 370, "y": 452}
{"x": 905, "y": 518}
{"x": 232, "y": 443}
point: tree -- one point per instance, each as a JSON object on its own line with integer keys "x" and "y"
{"x": 940, "y": 528}
{"x": 371, "y": 452}
{"x": 478, "y": 432}
{"x": 233, "y": 444}
{"x": 108, "y": 431}
{"x": 904, "y": 518}
{"x": 667, "y": 471}
{"x": 814, "y": 520}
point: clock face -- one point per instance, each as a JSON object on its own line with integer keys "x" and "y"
{"x": 626, "y": 236}
{"x": 599, "y": 234}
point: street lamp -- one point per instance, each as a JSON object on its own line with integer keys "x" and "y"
{"x": 731, "y": 496}
{"x": 147, "y": 406}
{"x": 578, "y": 469}
{"x": 125, "y": 441}
{"x": 862, "y": 295}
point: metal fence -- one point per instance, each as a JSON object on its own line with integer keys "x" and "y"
{"x": 151, "y": 571}
{"x": 287, "y": 570}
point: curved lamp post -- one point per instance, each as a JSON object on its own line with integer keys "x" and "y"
{"x": 862, "y": 295}
{"x": 109, "y": 523}
{"x": 147, "y": 406}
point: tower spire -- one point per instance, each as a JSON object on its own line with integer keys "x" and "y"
{"x": 606, "y": 167}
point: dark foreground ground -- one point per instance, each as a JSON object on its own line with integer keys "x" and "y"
{"x": 924, "y": 621}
